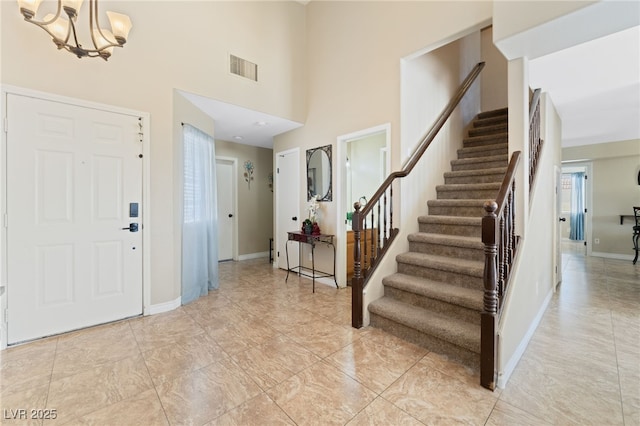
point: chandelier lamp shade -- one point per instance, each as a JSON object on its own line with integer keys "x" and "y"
{"x": 62, "y": 27}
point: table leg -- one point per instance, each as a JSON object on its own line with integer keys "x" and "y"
{"x": 334, "y": 266}
{"x": 286, "y": 250}
{"x": 313, "y": 268}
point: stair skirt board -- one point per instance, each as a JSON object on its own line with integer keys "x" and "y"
{"x": 435, "y": 298}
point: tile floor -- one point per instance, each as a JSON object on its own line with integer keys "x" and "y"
{"x": 261, "y": 351}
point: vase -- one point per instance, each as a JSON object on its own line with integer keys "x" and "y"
{"x": 308, "y": 228}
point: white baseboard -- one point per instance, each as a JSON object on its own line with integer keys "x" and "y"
{"x": 163, "y": 307}
{"x": 612, "y": 255}
{"x": 253, "y": 255}
{"x": 503, "y": 377}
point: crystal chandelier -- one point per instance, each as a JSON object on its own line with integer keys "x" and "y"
{"x": 63, "y": 29}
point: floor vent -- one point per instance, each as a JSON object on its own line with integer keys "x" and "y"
{"x": 243, "y": 68}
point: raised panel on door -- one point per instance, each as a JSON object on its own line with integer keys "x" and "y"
{"x": 71, "y": 174}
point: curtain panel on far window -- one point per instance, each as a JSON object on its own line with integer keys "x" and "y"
{"x": 199, "y": 217}
{"x": 576, "y": 231}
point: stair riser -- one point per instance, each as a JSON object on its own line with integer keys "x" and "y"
{"x": 455, "y": 353}
{"x": 478, "y": 165}
{"x": 484, "y": 141}
{"x": 448, "y": 277}
{"x": 503, "y": 150}
{"x": 475, "y": 194}
{"x": 490, "y": 130}
{"x": 434, "y": 305}
{"x": 447, "y": 250}
{"x": 456, "y": 211}
{"x": 474, "y": 179}
{"x": 443, "y": 228}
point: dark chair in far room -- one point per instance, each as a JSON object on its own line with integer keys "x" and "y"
{"x": 636, "y": 232}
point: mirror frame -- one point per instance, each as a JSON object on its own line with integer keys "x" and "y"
{"x": 328, "y": 195}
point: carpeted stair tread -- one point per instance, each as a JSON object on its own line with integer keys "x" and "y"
{"x": 460, "y": 202}
{"x": 489, "y": 130}
{"x": 486, "y": 159}
{"x": 452, "y": 294}
{"x": 468, "y": 186}
{"x": 451, "y": 220}
{"x": 498, "y": 119}
{"x": 461, "y": 333}
{"x": 451, "y": 240}
{"x": 493, "y": 113}
{"x": 482, "y": 140}
{"x": 479, "y": 172}
{"x": 501, "y": 146}
{"x": 472, "y": 268}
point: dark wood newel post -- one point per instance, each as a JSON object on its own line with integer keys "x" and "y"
{"x": 357, "y": 281}
{"x": 489, "y": 315}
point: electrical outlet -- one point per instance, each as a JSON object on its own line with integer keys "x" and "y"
{"x": 596, "y": 241}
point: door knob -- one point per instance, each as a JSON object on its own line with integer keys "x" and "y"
{"x": 230, "y": 215}
{"x": 294, "y": 218}
{"x": 133, "y": 227}
{"x": 563, "y": 219}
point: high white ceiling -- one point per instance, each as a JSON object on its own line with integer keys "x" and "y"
{"x": 241, "y": 125}
{"x": 595, "y": 87}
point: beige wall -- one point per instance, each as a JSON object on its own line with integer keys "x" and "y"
{"x": 532, "y": 279}
{"x": 255, "y": 202}
{"x": 615, "y": 191}
{"x": 181, "y": 45}
{"x": 494, "y": 75}
{"x": 354, "y": 68}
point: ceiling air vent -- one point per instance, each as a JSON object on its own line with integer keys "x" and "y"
{"x": 243, "y": 68}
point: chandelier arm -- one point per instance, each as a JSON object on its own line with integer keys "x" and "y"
{"x": 76, "y": 49}
{"x": 41, "y": 23}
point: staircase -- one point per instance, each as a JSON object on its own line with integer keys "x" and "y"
{"x": 435, "y": 298}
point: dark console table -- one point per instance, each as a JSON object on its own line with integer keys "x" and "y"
{"x": 311, "y": 240}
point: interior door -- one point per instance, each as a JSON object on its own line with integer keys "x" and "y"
{"x": 74, "y": 234}
{"x": 288, "y": 184}
{"x": 226, "y": 208}
{"x": 558, "y": 227}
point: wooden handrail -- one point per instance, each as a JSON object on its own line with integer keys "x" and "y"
{"x": 508, "y": 180}
{"x": 376, "y": 249}
{"x": 500, "y": 245}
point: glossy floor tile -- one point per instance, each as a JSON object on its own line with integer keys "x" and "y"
{"x": 262, "y": 351}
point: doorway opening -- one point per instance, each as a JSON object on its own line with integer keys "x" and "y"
{"x": 362, "y": 164}
{"x": 575, "y": 219}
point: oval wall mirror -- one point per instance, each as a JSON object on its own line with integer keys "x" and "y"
{"x": 319, "y": 173}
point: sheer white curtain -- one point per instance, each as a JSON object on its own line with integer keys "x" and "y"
{"x": 199, "y": 217}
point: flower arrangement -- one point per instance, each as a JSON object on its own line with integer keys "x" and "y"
{"x": 313, "y": 207}
{"x": 248, "y": 172}
{"x": 310, "y": 225}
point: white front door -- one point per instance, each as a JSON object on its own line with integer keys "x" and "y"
{"x": 226, "y": 208}
{"x": 74, "y": 181}
{"x": 288, "y": 183}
